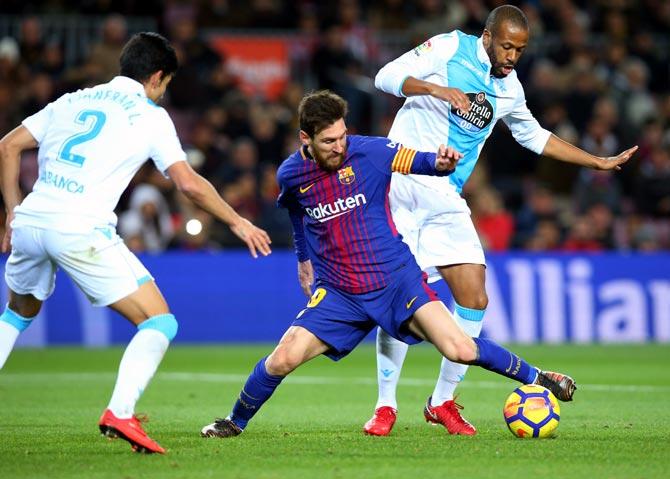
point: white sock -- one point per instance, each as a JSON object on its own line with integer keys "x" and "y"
{"x": 390, "y": 356}
{"x": 453, "y": 373}
{"x": 138, "y": 365}
{"x": 8, "y": 335}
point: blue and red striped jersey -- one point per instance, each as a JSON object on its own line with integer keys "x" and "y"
{"x": 342, "y": 219}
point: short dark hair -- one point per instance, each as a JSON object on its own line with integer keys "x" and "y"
{"x": 503, "y": 14}
{"x": 319, "y": 110}
{"x": 145, "y": 54}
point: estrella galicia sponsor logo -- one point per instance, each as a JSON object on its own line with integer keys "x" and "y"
{"x": 479, "y": 116}
{"x": 339, "y": 207}
{"x": 61, "y": 182}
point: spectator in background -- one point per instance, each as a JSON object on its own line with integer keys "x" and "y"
{"x": 598, "y": 138}
{"x": 271, "y": 217}
{"x": 494, "y": 224}
{"x": 10, "y": 58}
{"x": 220, "y": 14}
{"x": 101, "y": 64}
{"x": 637, "y": 103}
{"x": 581, "y": 237}
{"x": 605, "y": 61}
{"x": 337, "y": 68}
{"x": 656, "y": 59}
{"x": 271, "y": 14}
{"x": 10, "y": 80}
{"x": 268, "y": 135}
{"x": 31, "y": 42}
{"x": 191, "y": 88}
{"x": 645, "y": 239}
{"x": 358, "y": 36}
{"x": 237, "y": 107}
{"x": 434, "y": 17}
{"x": 545, "y": 237}
{"x": 332, "y": 58}
{"x": 583, "y": 90}
{"x": 615, "y": 54}
{"x": 652, "y": 193}
{"x": 573, "y": 41}
{"x": 594, "y": 187}
{"x": 544, "y": 88}
{"x": 205, "y": 153}
{"x": 539, "y": 205}
{"x": 41, "y": 91}
{"x": 601, "y": 221}
{"x": 103, "y": 53}
{"x": 147, "y": 225}
{"x": 52, "y": 62}
{"x": 390, "y": 15}
{"x": 559, "y": 177}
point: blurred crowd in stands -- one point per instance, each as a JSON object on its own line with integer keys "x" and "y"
{"x": 596, "y": 73}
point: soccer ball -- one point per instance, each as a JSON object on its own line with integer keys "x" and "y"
{"x": 532, "y": 411}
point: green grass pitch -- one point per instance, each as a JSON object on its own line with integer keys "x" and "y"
{"x": 50, "y": 400}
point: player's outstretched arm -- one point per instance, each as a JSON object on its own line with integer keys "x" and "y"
{"x": 562, "y": 150}
{"x": 202, "y": 193}
{"x": 11, "y": 147}
{"x": 413, "y": 86}
{"x": 446, "y": 158}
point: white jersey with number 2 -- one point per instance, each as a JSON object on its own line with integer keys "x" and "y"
{"x": 91, "y": 144}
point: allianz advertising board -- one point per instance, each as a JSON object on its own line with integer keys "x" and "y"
{"x": 230, "y": 297}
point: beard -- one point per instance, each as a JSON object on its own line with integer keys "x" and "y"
{"x": 331, "y": 162}
{"x": 496, "y": 66}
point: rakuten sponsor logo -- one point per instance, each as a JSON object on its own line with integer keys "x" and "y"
{"x": 337, "y": 208}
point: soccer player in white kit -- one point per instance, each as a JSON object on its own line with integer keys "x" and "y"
{"x": 91, "y": 143}
{"x": 457, "y": 87}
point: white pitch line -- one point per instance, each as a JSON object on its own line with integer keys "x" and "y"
{"x": 308, "y": 380}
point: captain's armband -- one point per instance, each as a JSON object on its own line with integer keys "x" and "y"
{"x": 402, "y": 161}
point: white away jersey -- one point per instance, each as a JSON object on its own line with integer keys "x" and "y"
{"x": 459, "y": 61}
{"x": 91, "y": 144}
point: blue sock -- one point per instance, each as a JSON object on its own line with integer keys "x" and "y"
{"x": 495, "y": 358}
{"x": 259, "y": 387}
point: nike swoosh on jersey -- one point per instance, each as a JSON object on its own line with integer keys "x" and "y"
{"x": 411, "y": 302}
{"x": 304, "y": 190}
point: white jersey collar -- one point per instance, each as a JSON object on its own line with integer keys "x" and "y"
{"x": 128, "y": 84}
{"x": 481, "y": 53}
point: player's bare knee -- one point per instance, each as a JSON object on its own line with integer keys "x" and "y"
{"x": 461, "y": 350}
{"x": 281, "y": 362}
{"x": 467, "y": 351}
{"x": 28, "y": 308}
{"x": 477, "y": 300}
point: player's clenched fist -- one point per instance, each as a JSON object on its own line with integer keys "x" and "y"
{"x": 447, "y": 158}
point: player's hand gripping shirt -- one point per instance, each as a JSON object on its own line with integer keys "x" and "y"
{"x": 91, "y": 144}
{"x": 348, "y": 231}
{"x": 459, "y": 61}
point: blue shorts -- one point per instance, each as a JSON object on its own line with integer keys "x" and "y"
{"x": 342, "y": 320}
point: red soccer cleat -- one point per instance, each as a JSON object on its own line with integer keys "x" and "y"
{"x": 449, "y": 416}
{"x": 381, "y": 423}
{"x": 130, "y": 430}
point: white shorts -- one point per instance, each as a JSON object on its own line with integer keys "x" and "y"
{"x": 99, "y": 263}
{"x": 436, "y": 227}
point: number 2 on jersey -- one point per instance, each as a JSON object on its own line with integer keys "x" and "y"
{"x": 65, "y": 154}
